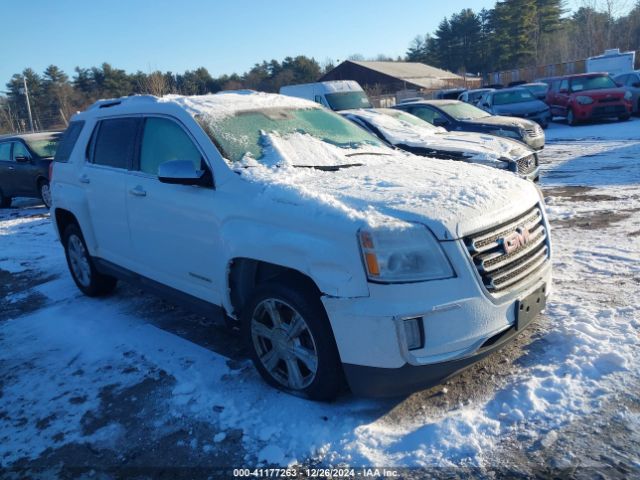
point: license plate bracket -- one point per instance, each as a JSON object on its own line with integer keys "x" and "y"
{"x": 530, "y": 306}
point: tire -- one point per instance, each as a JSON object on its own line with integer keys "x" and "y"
{"x": 5, "y": 202}
{"x": 571, "y": 118}
{"x": 45, "y": 193}
{"x": 274, "y": 314}
{"x": 624, "y": 118}
{"x": 82, "y": 267}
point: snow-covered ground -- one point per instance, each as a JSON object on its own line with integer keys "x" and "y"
{"x": 129, "y": 381}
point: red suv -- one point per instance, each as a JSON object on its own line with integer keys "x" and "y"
{"x": 588, "y": 96}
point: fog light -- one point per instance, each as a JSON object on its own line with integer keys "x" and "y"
{"x": 413, "y": 333}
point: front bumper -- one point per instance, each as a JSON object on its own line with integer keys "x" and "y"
{"x": 390, "y": 382}
{"x": 458, "y": 317}
{"x": 598, "y": 110}
{"x": 536, "y": 142}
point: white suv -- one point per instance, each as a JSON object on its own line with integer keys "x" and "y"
{"x": 337, "y": 256}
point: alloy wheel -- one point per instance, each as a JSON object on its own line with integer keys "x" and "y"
{"x": 284, "y": 344}
{"x": 45, "y": 194}
{"x": 79, "y": 261}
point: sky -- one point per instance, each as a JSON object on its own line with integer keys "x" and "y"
{"x": 225, "y": 36}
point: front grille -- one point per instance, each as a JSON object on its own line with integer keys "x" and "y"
{"x": 612, "y": 110}
{"x": 609, "y": 100}
{"x": 502, "y": 271}
{"x": 534, "y": 131}
{"x": 527, "y": 164}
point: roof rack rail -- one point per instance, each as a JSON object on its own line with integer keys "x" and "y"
{"x": 112, "y": 102}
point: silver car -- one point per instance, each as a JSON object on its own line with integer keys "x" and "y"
{"x": 631, "y": 82}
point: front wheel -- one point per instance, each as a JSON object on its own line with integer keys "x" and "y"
{"x": 91, "y": 282}
{"x": 291, "y": 342}
{"x": 45, "y": 193}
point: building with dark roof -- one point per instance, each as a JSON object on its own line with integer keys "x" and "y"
{"x": 391, "y": 77}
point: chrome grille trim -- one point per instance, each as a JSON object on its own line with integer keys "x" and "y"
{"x": 527, "y": 164}
{"x": 482, "y": 242}
{"x": 500, "y": 270}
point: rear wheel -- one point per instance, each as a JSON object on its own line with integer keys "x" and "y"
{"x": 624, "y": 118}
{"x": 5, "y": 202}
{"x": 571, "y": 118}
{"x": 291, "y": 342}
{"x": 82, "y": 267}
{"x": 45, "y": 193}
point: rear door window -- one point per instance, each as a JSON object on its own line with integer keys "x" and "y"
{"x": 164, "y": 140}
{"x": 5, "y": 152}
{"x": 115, "y": 143}
{"x": 68, "y": 141}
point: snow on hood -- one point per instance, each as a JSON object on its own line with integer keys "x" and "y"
{"x": 503, "y": 121}
{"x": 386, "y": 187}
{"x": 477, "y": 146}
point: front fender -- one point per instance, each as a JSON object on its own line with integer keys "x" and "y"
{"x": 333, "y": 263}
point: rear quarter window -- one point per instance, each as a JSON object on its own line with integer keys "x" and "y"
{"x": 68, "y": 141}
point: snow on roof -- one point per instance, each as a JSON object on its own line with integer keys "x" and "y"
{"x": 227, "y": 103}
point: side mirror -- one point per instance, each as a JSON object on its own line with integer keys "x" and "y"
{"x": 635, "y": 84}
{"x": 22, "y": 159}
{"x": 564, "y": 90}
{"x": 182, "y": 172}
{"x": 440, "y": 122}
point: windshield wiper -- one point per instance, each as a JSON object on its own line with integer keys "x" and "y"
{"x": 365, "y": 153}
{"x": 330, "y": 168}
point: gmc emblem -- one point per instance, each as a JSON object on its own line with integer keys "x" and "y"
{"x": 516, "y": 240}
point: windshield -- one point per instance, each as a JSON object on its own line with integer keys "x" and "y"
{"x": 538, "y": 89}
{"x": 44, "y": 147}
{"x": 592, "y": 83}
{"x": 475, "y": 96}
{"x": 463, "y": 111}
{"x": 408, "y": 118}
{"x": 513, "y": 96}
{"x": 242, "y": 134}
{"x": 347, "y": 100}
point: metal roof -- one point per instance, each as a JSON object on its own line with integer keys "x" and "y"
{"x": 410, "y": 72}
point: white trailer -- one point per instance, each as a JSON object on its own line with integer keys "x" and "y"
{"x": 612, "y": 61}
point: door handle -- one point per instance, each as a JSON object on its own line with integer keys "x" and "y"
{"x": 84, "y": 179}
{"x": 138, "y": 191}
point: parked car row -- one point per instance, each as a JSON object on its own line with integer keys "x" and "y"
{"x": 341, "y": 256}
{"x": 578, "y": 98}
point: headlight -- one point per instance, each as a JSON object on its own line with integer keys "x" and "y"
{"x": 627, "y": 95}
{"x": 407, "y": 253}
{"x": 507, "y": 133}
{"x": 584, "y": 100}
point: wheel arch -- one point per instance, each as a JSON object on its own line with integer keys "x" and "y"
{"x": 244, "y": 275}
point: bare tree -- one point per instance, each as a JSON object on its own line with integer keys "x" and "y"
{"x": 155, "y": 83}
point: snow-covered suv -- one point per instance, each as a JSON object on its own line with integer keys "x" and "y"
{"x": 337, "y": 256}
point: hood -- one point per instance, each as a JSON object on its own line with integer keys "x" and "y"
{"x": 502, "y": 121}
{"x": 382, "y": 186}
{"x": 482, "y": 147}
{"x": 521, "y": 108}
{"x": 474, "y": 146}
{"x": 601, "y": 93}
